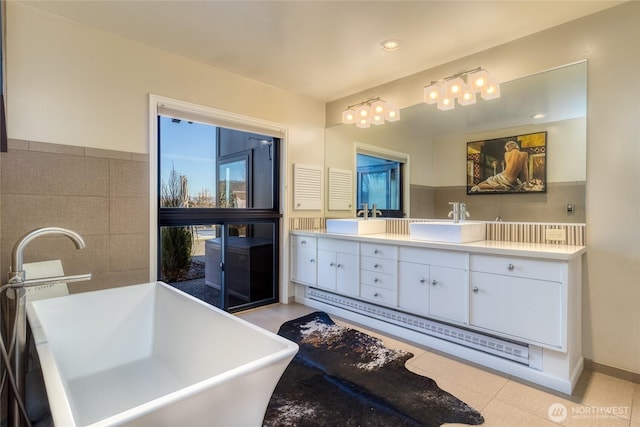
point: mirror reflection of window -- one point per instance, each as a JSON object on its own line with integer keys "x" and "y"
{"x": 379, "y": 182}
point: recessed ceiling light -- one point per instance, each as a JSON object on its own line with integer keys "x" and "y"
{"x": 390, "y": 45}
{"x": 538, "y": 116}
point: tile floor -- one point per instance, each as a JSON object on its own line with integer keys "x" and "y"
{"x": 598, "y": 400}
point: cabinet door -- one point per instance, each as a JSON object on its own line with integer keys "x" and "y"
{"x": 326, "y": 269}
{"x": 303, "y": 264}
{"x": 522, "y": 308}
{"x": 448, "y": 293}
{"x": 347, "y": 274}
{"x": 413, "y": 287}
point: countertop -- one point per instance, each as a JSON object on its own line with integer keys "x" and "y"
{"x": 487, "y": 247}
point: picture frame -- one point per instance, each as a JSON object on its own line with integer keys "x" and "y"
{"x": 508, "y": 165}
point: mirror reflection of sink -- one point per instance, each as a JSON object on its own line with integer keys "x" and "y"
{"x": 447, "y": 231}
{"x": 356, "y": 226}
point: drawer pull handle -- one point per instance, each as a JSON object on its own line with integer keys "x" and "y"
{"x": 510, "y": 267}
{"x": 375, "y": 266}
{"x": 376, "y": 294}
{"x": 303, "y": 242}
{"x": 475, "y": 289}
{"x": 423, "y": 280}
{"x": 376, "y": 280}
{"x": 339, "y": 265}
{"x": 332, "y": 264}
{"x": 312, "y": 260}
{"x": 434, "y": 282}
{"x": 376, "y": 252}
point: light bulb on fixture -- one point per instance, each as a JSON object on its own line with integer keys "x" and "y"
{"x": 446, "y": 103}
{"x": 348, "y": 116}
{"x": 478, "y": 79}
{"x": 454, "y": 87}
{"x": 392, "y": 114}
{"x": 433, "y": 93}
{"x": 467, "y": 97}
{"x": 491, "y": 91}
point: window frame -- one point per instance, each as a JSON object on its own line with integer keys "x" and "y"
{"x": 203, "y": 216}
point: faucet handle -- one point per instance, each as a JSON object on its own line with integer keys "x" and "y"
{"x": 455, "y": 205}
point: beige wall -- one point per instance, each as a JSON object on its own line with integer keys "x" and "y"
{"x": 610, "y": 41}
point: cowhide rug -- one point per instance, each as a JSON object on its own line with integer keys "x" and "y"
{"x": 343, "y": 377}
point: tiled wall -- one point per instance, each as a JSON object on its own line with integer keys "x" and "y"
{"x": 101, "y": 194}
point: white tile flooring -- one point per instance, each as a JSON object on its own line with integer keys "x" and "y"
{"x": 598, "y": 400}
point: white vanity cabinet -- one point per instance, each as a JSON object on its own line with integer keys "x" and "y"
{"x": 303, "y": 259}
{"x": 519, "y": 298}
{"x": 513, "y": 307}
{"x": 338, "y": 266}
{"x": 379, "y": 273}
{"x": 433, "y": 283}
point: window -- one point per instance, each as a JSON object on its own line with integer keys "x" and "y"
{"x": 217, "y": 229}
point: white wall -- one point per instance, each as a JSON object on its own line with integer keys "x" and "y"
{"x": 71, "y": 84}
{"x": 610, "y": 41}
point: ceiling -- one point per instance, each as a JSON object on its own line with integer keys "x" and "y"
{"x": 325, "y": 50}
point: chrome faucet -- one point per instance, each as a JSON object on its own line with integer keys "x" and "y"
{"x": 375, "y": 212}
{"x": 16, "y": 275}
{"x": 455, "y": 212}
{"x": 463, "y": 212}
{"x": 17, "y": 282}
{"x": 364, "y": 211}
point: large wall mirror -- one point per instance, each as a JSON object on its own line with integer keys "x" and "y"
{"x": 435, "y": 144}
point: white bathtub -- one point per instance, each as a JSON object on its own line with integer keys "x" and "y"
{"x": 150, "y": 355}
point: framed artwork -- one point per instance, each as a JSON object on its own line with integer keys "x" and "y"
{"x": 513, "y": 164}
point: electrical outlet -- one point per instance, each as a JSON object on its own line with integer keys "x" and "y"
{"x": 556, "y": 234}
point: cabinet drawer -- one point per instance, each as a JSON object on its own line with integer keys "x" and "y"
{"x": 379, "y": 251}
{"x": 518, "y": 267}
{"x": 434, "y": 257}
{"x": 381, "y": 280}
{"x": 335, "y": 245}
{"x": 380, "y": 265}
{"x": 303, "y": 242}
{"x": 379, "y": 295}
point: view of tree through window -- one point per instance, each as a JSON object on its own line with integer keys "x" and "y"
{"x": 188, "y": 155}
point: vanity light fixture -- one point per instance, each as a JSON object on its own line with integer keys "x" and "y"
{"x": 372, "y": 111}
{"x": 462, "y": 87}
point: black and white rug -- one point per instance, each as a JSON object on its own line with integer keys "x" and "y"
{"x": 343, "y": 377}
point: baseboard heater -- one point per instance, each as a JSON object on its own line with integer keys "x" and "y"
{"x": 497, "y": 346}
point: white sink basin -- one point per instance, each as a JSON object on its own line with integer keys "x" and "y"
{"x": 356, "y": 226}
{"x": 150, "y": 355}
{"x": 448, "y": 232}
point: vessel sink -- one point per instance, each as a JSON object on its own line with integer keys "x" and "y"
{"x": 151, "y": 355}
{"x": 448, "y": 232}
{"x": 356, "y": 226}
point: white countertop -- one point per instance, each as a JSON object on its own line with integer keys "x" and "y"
{"x": 491, "y": 247}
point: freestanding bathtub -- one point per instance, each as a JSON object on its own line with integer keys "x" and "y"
{"x": 150, "y": 355}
